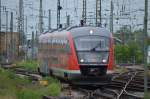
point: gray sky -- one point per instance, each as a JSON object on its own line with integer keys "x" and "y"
{"x": 132, "y": 14}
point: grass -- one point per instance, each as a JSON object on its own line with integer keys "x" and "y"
{"x": 120, "y": 69}
{"x": 37, "y": 91}
{"x": 53, "y": 89}
{"x": 14, "y": 87}
{"x": 8, "y": 84}
{"x": 147, "y": 96}
{"x": 28, "y": 94}
{"x": 31, "y": 65}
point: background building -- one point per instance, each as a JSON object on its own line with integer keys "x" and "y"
{"x": 9, "y": 46}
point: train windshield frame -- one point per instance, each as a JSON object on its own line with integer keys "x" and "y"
{"x": 92, "y": 49}
{"x": 89, "y": 43}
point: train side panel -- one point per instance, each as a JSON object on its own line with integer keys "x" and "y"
{"x": 54, "y": 52}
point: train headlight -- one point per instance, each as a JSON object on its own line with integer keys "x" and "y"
{"x": 104, "y": 60}
{"x": 82, "y": 60}
{"x": 91, "y": 32}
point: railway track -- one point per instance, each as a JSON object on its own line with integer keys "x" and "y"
{"x": 127, "y": 85}
{"x": 34, "y": 76}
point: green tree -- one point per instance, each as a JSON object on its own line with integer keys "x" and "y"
{"x": 129, "y": 53}
{"x": 136, "y": 52}
{"x": 121, "y": 53}
{"x": 132, "y": 49}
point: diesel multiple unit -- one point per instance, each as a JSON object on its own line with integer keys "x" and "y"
{"x": 74, "y": 52}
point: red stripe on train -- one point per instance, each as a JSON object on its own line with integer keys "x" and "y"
{"x": 73, "y": 61}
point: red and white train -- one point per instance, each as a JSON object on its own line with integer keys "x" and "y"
{"x": 77, "y": 51}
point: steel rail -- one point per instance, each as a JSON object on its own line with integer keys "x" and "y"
{"x": 124, "y": 89}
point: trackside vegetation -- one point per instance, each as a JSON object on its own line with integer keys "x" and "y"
{"x": 30, "y": 65}
{"x": 129, "y": 53}
{"x": 147, "y": 95}
{"x": 13, "y": 86}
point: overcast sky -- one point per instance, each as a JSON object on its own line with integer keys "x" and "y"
{"x": 131, "y": 14}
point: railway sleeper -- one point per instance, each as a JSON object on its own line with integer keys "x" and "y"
{"x": 136, "y": 89}
{"x": 104, "y": 94}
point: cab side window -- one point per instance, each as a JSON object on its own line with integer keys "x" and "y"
{"x": 67, "y": 47}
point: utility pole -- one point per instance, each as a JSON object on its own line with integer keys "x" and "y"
{"x": 25, "y": 34}
{"x": 11, "y": 23}
{"x": 0, "y": 18}
{"x": 58, "y": 14}
{"x": 68, "y": 20}
{"x": 111, "y": 17}
{"x": 11, "y": 38}
{"x": 0, "y": 32}
{"x": 36, "y": 39}
{"x": 145, "y": 46}
{"x": 49, "y": 22}
{"x": 21, "y": 23}
{"x": 26, "y": 29}
{"x": 84, "y": 12}
{"x": 6, "y": 35}
{"x": 32, "y": 45}
{"x": 98, "y": 13}
{"x": 41, "y": 18}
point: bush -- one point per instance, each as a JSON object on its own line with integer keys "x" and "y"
{"x": 54, "y": 89}
{"x": 121, "y": 53}
{"x": 28, "y": 94}
{"x": 129, "y": 53}
{"x": 13, "y": 86}
{"x": 31, "y": 65}
{"x": 8, "y": 84}
{"x": 51, "y": 79}
{"x": 36, "y": 92}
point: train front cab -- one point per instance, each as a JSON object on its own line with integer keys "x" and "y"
{"x": 91, "y": 55}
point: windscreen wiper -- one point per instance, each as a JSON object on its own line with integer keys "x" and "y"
{"x": 97, "y": 45}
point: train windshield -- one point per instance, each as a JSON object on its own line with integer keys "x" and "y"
{"x": 92, "y": 49}
{"x": 92, "y": 43}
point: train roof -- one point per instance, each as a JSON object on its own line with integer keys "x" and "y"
{"x": 79, "y": 31}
